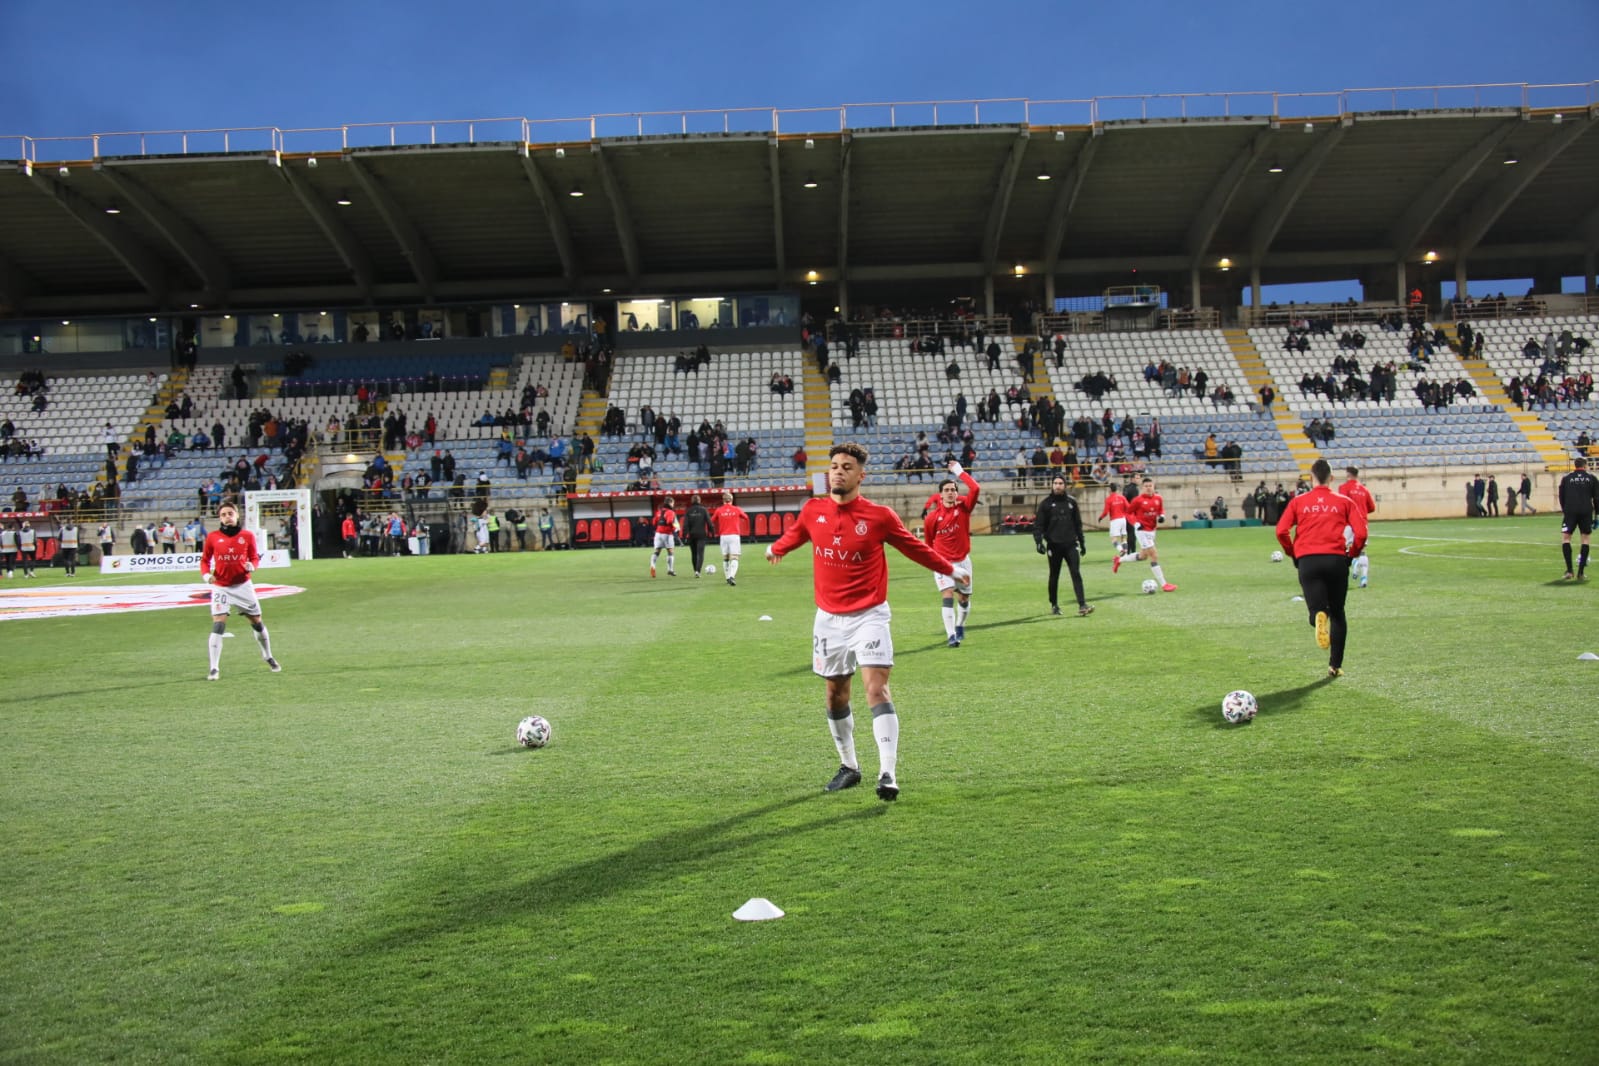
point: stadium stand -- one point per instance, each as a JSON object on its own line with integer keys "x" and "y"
{"x": 1568, "y": 374}
{"x": 67, "y": 438}
{"x": 733, "y": 389}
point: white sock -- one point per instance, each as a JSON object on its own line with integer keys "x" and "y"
{"x": 885, "y": 724}
{"x": 964, "y": 610}
{"x": 843, "y": 730}
{"x": 263, "y": 638}
{"x": 671, "y": 562}
{"x": 654, "y": 557}
{"x": 732, "y": 567}
{"x": 949, "y": 621}
{"x": 1160, "y": 575}
{"x": 1130, "y": 557}
{"x": 214, "y": 645}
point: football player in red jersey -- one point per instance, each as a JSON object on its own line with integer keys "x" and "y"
{"x": 948, "y": 531}
{"x": 1115, "y": 509}
{"x": 1360, "y": 569}
{"x": 226, "y": 563}
{"x": 850, "y": 577}
{"x": 666, "y": 531}
{"x": 730, "y": 522}
{"x": 1328, "y": 529}
{"x": 1146, "y": 510}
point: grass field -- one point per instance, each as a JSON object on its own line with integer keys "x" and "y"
{"x": 352, "y": 862}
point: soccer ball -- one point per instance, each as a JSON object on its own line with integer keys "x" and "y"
{"x": 1238, "y": 706}
{"x": 533, "y": 732}
{"x": 1149, "y": 586}
{"x": 1276, "y": 557}
{"x": 710, "y": 568}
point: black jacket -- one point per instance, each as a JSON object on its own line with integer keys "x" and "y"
{"x": 1058, "y": 522}
{"x": 696, "y": 523}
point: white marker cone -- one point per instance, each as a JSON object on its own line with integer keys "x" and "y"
{"x": 1587, "y": 657}
{"x": 757, "y": 910}
{"x": 1297, "y": 599}
{"x": 764, "y": 618}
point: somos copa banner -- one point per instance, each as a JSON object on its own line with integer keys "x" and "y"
{"x": 177, "y": 562}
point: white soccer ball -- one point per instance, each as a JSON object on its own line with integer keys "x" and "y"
{"x": 1276, "y": 557}
{"x": 1238, "y": 706}
{"x": 1149, "y": 586}
{"x": 533, "y": 732}
{"x": 710, "y": 568}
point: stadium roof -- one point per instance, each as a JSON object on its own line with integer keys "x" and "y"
{"x": 271, "y": 218}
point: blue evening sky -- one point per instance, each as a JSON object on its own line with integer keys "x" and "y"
{"x": 96, "y": 66}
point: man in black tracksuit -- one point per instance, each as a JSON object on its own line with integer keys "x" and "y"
{"x": 1058, "y": 532}
{"x": 1579, "y": 499}
{"x": 697, "y": 530}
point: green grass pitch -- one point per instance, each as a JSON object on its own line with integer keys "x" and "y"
{"x": 352, "y": 862}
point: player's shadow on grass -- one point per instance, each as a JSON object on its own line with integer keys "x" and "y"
{"x": 1280, "y": 702}
{"x": 658, "y": 858}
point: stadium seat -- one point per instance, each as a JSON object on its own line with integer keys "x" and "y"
{"x": 789, "y": 518}
{"x": 580, "y": 530}
{"x": 760, "y": 524}
{"x": 609, "y": 536}
{"x": 624, "y": 530}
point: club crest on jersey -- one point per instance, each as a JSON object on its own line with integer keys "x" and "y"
{"x": 860, "y": 528}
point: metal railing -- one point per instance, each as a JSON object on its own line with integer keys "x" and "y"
{"x": 1095, "y": 111}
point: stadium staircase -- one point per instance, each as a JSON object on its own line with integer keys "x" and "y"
{"x": 818, "y": 418}
{"x": 499, "y": 377}
{"x": 1492, "y": 390}
{"x": 1247, "y": 356}
{"x": 590, "y": 415}
{"x": 155, "y": 415}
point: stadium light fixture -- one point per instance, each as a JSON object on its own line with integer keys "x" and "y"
{"x": 1225, "y": 263}
{"x": 1510, "y": 159}
{"x": 66, "y": 321}
{"x": 344, "y": 200}
{"x": 1310, "y": 127}
{"x": 311, "y": 162}
{"x": 576, "y": 193}
{"x": 64, "y": 171}
{"x": 560, "y": 153}
{"x": 810, "y": 142}
{"x": 113, "y": 209}
{"x": 811, "y": 183}
{"x": 1558, "y": 118}
{"x": 1043, "y": 174}
{"x": 1060, "y": 135}
{"x": 1020, "y": 270}
{"x": 1275, "y": 168}
{"x": 605, "y": 290}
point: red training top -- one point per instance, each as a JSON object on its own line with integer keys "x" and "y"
{"x": 1145, "y": 510}
{"x": 225, "y": 557}
{"x": 849, "y": 569}
{"x": 665, "y": 520}
{"x": 1359, "y": 493}
{"x": 1115, "y": 506}
{"x": 1321, "y": 515}
{"x": 948, "y": 530}
{"x": 729, "y": 520}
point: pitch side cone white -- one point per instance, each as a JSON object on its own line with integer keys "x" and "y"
{"x": 1297, "y": 599}
{"x": 1587, "y": 657}
{"x": 764, "y": 618}
{"x": 757, "y": 910}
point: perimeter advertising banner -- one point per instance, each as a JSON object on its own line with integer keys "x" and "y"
{"x": 178, "y": 562}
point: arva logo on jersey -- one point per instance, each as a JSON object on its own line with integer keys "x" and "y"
{"x": 838, "y": 555}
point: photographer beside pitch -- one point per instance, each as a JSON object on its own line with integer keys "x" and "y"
{"x": 850, "y": 574}
{"x": 229, "y": 558}
{"x": 1321, "y": 554}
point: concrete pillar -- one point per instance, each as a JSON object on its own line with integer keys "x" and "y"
{"x": 1194, "y": 298}
{"x": 1049, "y": 293}
{"x": 1254, "y": 286}
{"x": 843, "y": 300}
{"x": 1460, "y": 279}
{"x": 1588, "y": 264}
{"x": 1401, "y": 297}
{"x": 988, "y": 295}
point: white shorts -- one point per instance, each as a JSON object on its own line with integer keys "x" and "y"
{"x": 240, "y": 597}
{"x": 1146, "y": 538}
{"x": 947, "y": 581}
{"x": 731, "y": 546}
{"x": 842, "y": 643}
{"x": 663, "y": 540}
{"x": 1118, "y": 528}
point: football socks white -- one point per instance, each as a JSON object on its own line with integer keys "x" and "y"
{"x": 843, "y": 730}
{"x": 964, "y": 610}
{"x": 949, "y": 619}
{"x": 263, "y": 639}
{"x": 731, "y": 567}
{"x": 1155, "y": 569}
{"x": 885, "y": 724}
{"x": 214, "y": 645}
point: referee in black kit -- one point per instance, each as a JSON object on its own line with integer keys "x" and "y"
{"x": 1579, "y": 500}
